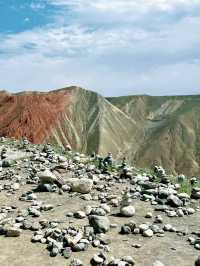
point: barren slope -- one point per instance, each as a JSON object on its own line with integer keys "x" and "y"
{"x": 148, "y": 130}
{"x": 170, "y": 127}
{"x": 73, "y": 116}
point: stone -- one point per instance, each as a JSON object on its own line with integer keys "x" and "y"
{"x": 76, "y": 262}
{"x": 54, "y": 252}
{"x": 98, "y": 211}
{"x": 195, "y": 193}
{"x": 82, "y": 185}
{"x": 101, "y": 224}
{"x": 48, "y": 177}
{"x": 47, "y": 207}
{"x": 127, "y": 211}
{"x": 180, "y": 213}
{"x": 105, "y": 207}
{"x": 31, "y": 196}
{"x": 34, "y": 212}
{"x": 76, "y": 239}
{"x": 158, "y": 219}
{"x": 167, "y": 227}
{"x": 129, "y": 260}
{"x": 125, "y": 230}
{"x": 67, "y": 252}
{"x": 143, "y": 227}
{"x": 183, "y": 195}
{"x": 26, "y": 225}
{"x": 2, "y": 231}
{"x": 80, "y": 247}
{"x": 36, "y": 238}
{"x": 174, "y": 201}
{"x": 7, "y": 163}
{"x": 97, "y": 260}
{"x": 148, "y": 233}
{"x": 149, "y": 215}
{"x": 66, "y": 188}
{"x": 190, "y": 211}
{"x": 96, "y": 243}
{"x": 136, "y": 245}
{"x": 13, "y": 232}
{"x": 15, "y": 186}
{"x": 79, "y": 215}
{"x": 197, "y": 262}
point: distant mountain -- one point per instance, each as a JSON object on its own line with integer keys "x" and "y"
{"x": 145, "y": 129}
{"x": 169, "y": 131}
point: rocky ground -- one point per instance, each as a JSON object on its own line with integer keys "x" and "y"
{"x": 64, "y": 208}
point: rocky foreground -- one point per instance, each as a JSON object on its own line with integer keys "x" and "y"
{"x": 64, "y": 208}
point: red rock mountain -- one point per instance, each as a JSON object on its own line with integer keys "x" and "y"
{"x": 68, "y": 116}
{"x": 148, "y": 130}
{"x": 32, "y": 114}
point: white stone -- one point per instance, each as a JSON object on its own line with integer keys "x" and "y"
{"x": 127, "y": 211}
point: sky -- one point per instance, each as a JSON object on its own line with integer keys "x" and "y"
{"x": 114, "y": 47}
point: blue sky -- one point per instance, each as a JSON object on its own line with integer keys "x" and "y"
{"x": 115, "y": 47}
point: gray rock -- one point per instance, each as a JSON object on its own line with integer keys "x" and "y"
{"x": 148, "y": 233}
{"x": 195, "y": 193}
{"x": 129, "y": 259}
{"x": 54, "y": 252}
{"x": 7, "y": 163}
{"x": 79, "y": 215}
{"x": 174, "y": 201}
{"x": 67, "y": 252}
{"x": 125, "y": 230}
{"x": 83, "y": 185}
{"x": 197, "y": 262}
{"x": 127, "y": 211}
{"x": 167, "y": 227}
{"x": 76, "y": 262}
{"x": 97, "y": 260}
{"x": 101, "y": 224}
{"x": 13, "y": 232}
{"x": 149, "y": 215}
{"x": 48, "y": 177}
{"x": 98, "y": 211}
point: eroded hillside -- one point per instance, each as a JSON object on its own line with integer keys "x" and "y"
{"x": 147, "y": 130}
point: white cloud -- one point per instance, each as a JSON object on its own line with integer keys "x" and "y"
{"x": 41, "y": 73}
{"x": 121, "y": 6}
{"x": 71, "y": 40}
{"x": 122, "y": 56}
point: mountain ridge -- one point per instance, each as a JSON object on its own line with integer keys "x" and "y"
{"x": 146, "y": 129}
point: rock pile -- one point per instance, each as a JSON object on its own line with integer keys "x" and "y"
{"x": 106, "y": 197}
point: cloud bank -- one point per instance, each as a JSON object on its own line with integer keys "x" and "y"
{"x": 115, "y": 47}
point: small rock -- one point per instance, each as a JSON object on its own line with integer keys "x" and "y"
{"x": 83, "y": 185}
{"x": 101, "y": 224}
{"x": 67, "y": 252}
{"x": 13, "y": 232}
{"x": 149, "y": 215}
{"x": 79, "y": 215}
{"x": 76, "y": 262}
{"x": 197, "y": 262}
{"x": 148, "y": 233}
{"x": 127, "y": 211}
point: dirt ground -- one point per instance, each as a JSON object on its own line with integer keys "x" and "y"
{"x": 171, "y": 249}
